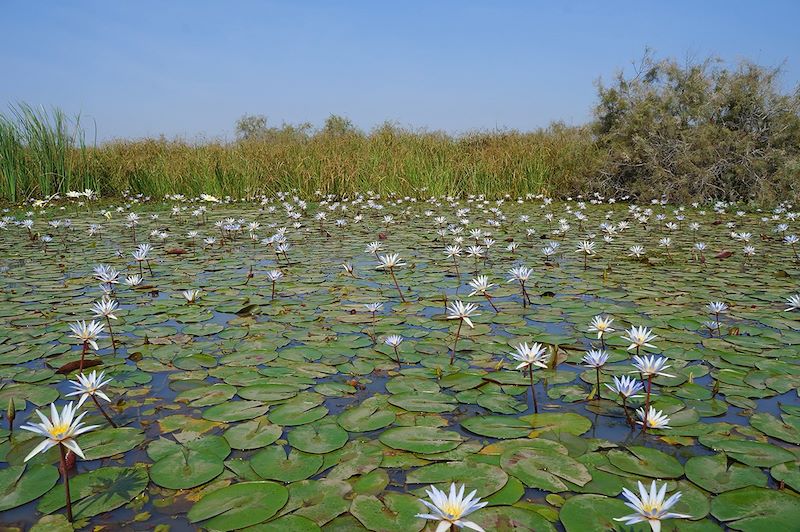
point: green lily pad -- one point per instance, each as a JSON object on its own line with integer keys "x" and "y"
{"x": 318, "y": 438}
{"x": 108, "y": 442}
{"x": 98, "y": 491}
{"x": 22, "y": 484}
{"x": 757, "y": 509}
{"x": 787, "y": 430}
{"x": 545, "y": 466}
{"x": 319, "y": 501}
{"x": 594, "y": 513}
{"x": 424, "y": 402}
{"x": 486, "y": 478}
{"x": 239, "y": 505}
{"x": 497, "y": 426}
{"x": 646, "y": 461}
{"x": 273, "y": 463}
{"x": 370, "y": 415}
{"x": 186, "y": 468}
{"x": 421, "y": 439}
{"x": 561, "y": 422}
{"x": 302, "y": 409}
{"x": 393, "y": 512}
{"x": 789, "y": 473}
{"x": 253, "y": 434}
{"x": 714, "y": 474}
{"x": 235, "y": 411}
{"x": 752, "y": 453}
{"x": 510, "y": 518}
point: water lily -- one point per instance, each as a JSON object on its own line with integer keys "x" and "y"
{"x": 587, "y": 248}
{"x": 394, "y": 342}
{"x": 480, "y": 286}
{"x": 639, "y": 337}
{"x": 602, "y": 325}
{"x": 105, "y": 308}
{"x": 274, "y": 276}
{"x": 451, "y": 509}
{"x": 626, "y": 388}
{"x": 462, "y": 312}
{"x": 650, "y": 367}
{"x": 652, "y": 418}
{"x": 389, "y": 262}
{"x": 191, "y": 296}
{"x": 520, "y": 274}
{"x": 89, "y": 386}
{"x": 528, "y": 358}
{"x": 793, "y": 302}
{"x": 60, "y": 429}
{"x": 133, "y": 280}
{"x": 650, "y": 507}
{"x": 596, "y": 358}
{"x": 87, "y": 334}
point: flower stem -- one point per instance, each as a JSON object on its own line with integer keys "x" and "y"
{"x": 625, "y": 409}
{"x": 111, "y": 333}
{"x": 391, "y": 271}
{"x": 65, "y": 475}
{"x": 597, "y": 371}
{"x": 647, "y": 403}
{"x": 489, "y": 299}
{"x": 455, "y": 342}
{"x": 99, "y": 407}
{"x": 83, "y": 355}
{"x": 533, "y": 391}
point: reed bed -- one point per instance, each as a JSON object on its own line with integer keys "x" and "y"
{"x": 45, "y": 153}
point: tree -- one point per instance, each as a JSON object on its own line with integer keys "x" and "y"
{"x": 338, "y": 126}
{"x": 699, "y": 131}
{"x": 250, "y": 127}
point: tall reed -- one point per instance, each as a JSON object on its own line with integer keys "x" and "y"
{"x": 44, "y": 153}
{"x": 41, "y": 153}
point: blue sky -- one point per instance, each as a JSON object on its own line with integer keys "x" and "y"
{"x": 191, "y": 68}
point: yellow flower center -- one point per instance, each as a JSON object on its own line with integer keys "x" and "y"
{"x": 453, "y": 511}
{"x": 58, "y": 432}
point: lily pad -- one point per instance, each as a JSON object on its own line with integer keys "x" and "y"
{"x": 757, "y": 509}
{"x": 239, "y": 505}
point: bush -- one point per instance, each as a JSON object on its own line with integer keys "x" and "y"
{"x": 699, "y": 131}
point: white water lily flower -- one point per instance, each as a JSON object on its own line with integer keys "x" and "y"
{"x": 461, "y": 311}
{"x": 651, "y": 366}
{"x": 717, "y": 307}
{"x": 133, "y": 280}
{"x": 191, "y": 295}
{"x": 373, "y": 307}
{"x": 793, "y": 302}
{"x": 480, "y": 285}
{"x": 595, "y": 358}
{"x": 651, "y": 507}
{"x": 389, "y": 261}
{"x": 393, "y": 340}
{"x": 87, "y": 333}
{"x": 625, "y": 386}
{"x": 89, "y": 385}
{"x": 535, "y": 355}
{"x": 655, "y": 419}
{"x": 601, "y": 324}
{"x": 639, "y": 337}
{"x": 59, "y": 429}
{"x": 274, "y": 275}
{"x": 451, "y": 509}
{"x": 105, "y": 308}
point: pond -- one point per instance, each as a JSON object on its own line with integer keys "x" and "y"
{"x": 256, "y": 381}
